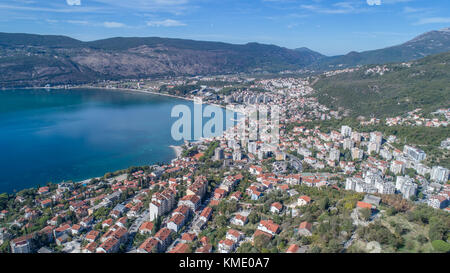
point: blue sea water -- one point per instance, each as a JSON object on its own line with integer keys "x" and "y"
{"x": 60, "y": 135}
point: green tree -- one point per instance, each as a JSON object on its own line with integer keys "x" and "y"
{"x": 441, "y": 246}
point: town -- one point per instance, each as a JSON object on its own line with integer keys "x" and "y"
{"x": 320, "y": 189}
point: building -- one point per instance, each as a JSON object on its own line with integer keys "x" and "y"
{"x": 161, "y": 203}
{"x": 22, "y": 244}
{"x": 346, "y": 131}
{"x": 305, "y": 229}
{"x": 303, "y": 200}
{"x": 414, "y": 153}
{"x": 438, "y": 202}
{"x": 439, "y": 174}
{"x": 268, "y": 226}
{"x": 226, "y": 246}
{"x": 398, "y": 167}
{"x": 347, "y": 144}
{"x": 276, "y": 207}
{"x": 334, "y": 155}
{"x": 406, "y": 186}
{"x": 357, "y": 153}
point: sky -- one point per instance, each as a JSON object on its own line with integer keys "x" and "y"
{"x": 331, "y": 27}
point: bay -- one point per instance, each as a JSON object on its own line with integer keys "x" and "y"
{"x": 76, "y": 134}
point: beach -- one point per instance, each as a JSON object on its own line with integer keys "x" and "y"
{"x": 177, "y": 149}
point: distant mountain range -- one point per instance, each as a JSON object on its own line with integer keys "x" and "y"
{"x": 36, "y": 60}
{"x": 429, "y": 43}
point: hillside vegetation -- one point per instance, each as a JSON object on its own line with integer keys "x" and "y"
{"x": 421, "y": 84}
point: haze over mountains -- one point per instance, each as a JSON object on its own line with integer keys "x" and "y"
{"x": 36, "y": 60}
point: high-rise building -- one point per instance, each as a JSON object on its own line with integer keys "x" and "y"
{"x": 414, "y": 153}
{"x": 346, "y": 131}
{"x": 439, "y": 174}
{"x": 376, "y": 137}
{"x": 334, "y": 155}
{"x": 348, "y": 144}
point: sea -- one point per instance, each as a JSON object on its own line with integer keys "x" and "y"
{"x": 55, "y": 135}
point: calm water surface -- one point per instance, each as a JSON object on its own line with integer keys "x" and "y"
{"x": 78, "y": 134}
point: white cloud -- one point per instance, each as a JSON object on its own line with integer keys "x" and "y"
{"x": 374, "y": 2}
{"x": 77, "y": 22}
{"x": 433, "y": 20}
{"x": 113, "y": 24}
{"x": 165, "y": 23}
{"x": 73, "y": 2}
{"x": 172, "y": 6}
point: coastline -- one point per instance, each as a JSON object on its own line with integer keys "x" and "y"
{"x": 177, "y": 150}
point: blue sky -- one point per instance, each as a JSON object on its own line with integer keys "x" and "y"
{"x": 328, "y": 26}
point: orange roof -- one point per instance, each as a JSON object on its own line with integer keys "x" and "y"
{"x": 270, "y": 225}
{"x": 292, "y": 248}
{"x": 180, "y": 248}
{"x": 363, "y": 205}
{"x": 305, "y": 225}
{"x": 146, "y": 226}
{"x": 188, "y": 237}
{"x": 277, "y": 205}
{"x": 306, "y": 198}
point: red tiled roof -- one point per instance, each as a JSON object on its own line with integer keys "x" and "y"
{"x": 363, "y": 205}
{"x": 305, "y": 225}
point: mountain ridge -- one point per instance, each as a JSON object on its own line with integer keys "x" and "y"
{"x": 36, "y": 60}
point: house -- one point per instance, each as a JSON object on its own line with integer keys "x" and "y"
{"x": 239, "y": 220}
{"x": 92, "y": 236}
{"x": 363, "y": 205}
{"x": 22, "y": 244}
{"x": 146, "y": 228}
{"x": 192, "y": 201}
{"x": 64, "y": 229}
{"x": 164, "y": 237}
{"x": 303, "y": 200}
{"x": 176, "y": 222}
{"x": 64, "y": 238}
{"x": 276, "y": 207}
{"x": 438, "y": 202}
{"x": 268, "y": 226}
{"x": 180, "y": 248}
{"x": 305, "y": 229}
{"x": 226, "y": 246}
{"x": 236, "y": 196}
{"x": 255, "y": 170}
{"x": 219, "y": 193}
{"x": 188, "y": 237}
{"x": 206, "y": 214}
{"x": 150, "y": 245}
{"x": 90, "y": 248}
{"x": 43, "y": 190}
{"x": 293, "y": 248}
{"x": 107, "y": 223}
{"x": 76, "y": 229}
{"x": 234, "y": 235}
{"x": 46, "y": 203}
{"x": 207, "y": 248}
{"x": 111, "y": 245}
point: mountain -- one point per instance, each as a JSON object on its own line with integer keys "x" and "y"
{"x": 389, "y": 90}
{"x": 313, "y": 53}
{"x": 429, "y": 43}
{"x": 36, "y": 60}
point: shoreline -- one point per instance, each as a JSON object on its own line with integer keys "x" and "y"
{"x": 176, "y": 149}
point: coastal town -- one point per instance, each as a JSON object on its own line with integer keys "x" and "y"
{"x": 324, "y": 187}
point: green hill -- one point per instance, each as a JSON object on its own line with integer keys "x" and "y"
{"x": 424, "y": 84}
